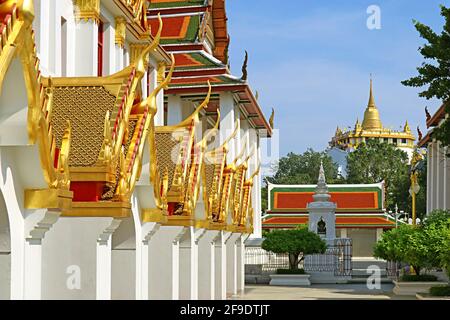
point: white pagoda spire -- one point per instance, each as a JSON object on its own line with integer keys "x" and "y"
{"x": 321, "y": 192}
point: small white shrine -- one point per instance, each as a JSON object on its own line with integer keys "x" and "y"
{"x": 327, "y": 267}
{"x": 322, "y": 212}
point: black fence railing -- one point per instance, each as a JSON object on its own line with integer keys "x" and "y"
{"x": 337, "y": 259}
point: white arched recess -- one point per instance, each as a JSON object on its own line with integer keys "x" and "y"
{"x": 20, "y": 169}
{"x": 5, "y": 252}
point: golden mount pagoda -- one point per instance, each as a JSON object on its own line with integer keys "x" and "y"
{"x": 372, "y": 128}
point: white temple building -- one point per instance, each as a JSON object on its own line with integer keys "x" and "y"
{"x": 129, "y": 154}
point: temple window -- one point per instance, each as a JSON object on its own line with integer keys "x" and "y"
{"x": 404, "y": 141}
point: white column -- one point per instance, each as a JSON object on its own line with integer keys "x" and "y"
{"x": 206, "y": 266}
{"x": 232, "y": 261}
{"x": 86, "y": 42}
{"x": 344, "y": 233}
{"x": 227, "y": 123}
{"x": 104, "y": 276}
{"x": 238, "y": 141}
{"x": 76, "y": 259}
{"x": 37, "y": 225}
{"x": 438, "y": 177}
{"x": 221, "y": 265}
{"x": 42, "y": 27}
{"x": 174, "y": 110}
{"x": 442, "y": 172}
{"x": 241, "y": 263}
{"x": 257, "y": 225}
{"x": 189, "y": 267}
{"x": 144, "y": 234}
{"x": 164, "y": 265}
{"x": 429, "y": 174}
{"x": 109, "y": 60}
{"x": 433, "y": 177}
{"x": 118, "y": 57}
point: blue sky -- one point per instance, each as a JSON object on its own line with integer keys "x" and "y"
{"x": 312, "y": 59}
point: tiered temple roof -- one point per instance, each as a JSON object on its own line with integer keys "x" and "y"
{"x": 197, "y": 36}
{"x": 358, "y": 206}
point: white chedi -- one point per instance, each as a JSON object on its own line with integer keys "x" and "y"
{"x": 321, "y": 212}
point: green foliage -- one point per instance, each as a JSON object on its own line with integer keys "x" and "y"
{"x": 440, "y": 291}
{"x": 434, "y": 72}
{"x": 424, "y": 246}
{"x": 445, "y": 254}
{"x": 375, "y": 161}
{"x": 300, "y": 169}
{"x": 290, "y": 271}
{"x": 418, "y": 278}
{"x": 391, "y": 246}
{"x": 294, "y": 242}
{"x": 303, "y": 168}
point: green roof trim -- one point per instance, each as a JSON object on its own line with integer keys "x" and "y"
{"x": 223, "y": 81}
{"x": 176, "y": 4}
{"x": 207, "y": 62}
{"x": 191, "y": 34}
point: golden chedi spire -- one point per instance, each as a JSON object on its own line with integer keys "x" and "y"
{"x": 371, "y": 116}
{"x": 406, "y": 128}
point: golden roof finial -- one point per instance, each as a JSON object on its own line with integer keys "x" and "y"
{"x": 407, "y": 129}
{"x": 371, "y": 99}
{"x": 371, "y": 119}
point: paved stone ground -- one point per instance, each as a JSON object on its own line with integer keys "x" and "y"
{"x": 321, "y": 292}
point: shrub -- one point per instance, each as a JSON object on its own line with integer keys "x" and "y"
{"x": 425, "y": 246}
{"x": 290, "y": 271}
{"x": 418, "y": 278}
{"x": 295, "y": 243}
{"x": 441, "y": 291}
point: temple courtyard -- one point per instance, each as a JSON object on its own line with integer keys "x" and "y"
{"x": 321, "y": 292}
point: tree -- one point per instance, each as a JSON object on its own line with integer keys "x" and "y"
{"x": 375, "y": 161}
{"x": 391, "y": 245}
{"x": 300, "y": 169}
{"x": 403, "y": 244}
{"x": 437, "y": 228}
{"x": 294, "y": 242}
{"x": 424, "y": 246}
{"x": 434, "y": 73}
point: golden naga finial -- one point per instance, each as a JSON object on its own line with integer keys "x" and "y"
{"x": 25, "y": 8}
{"x": 63, "y": 163}
{"x": 123, "y": 188}
{"x": 233, "y": 135}
{"x": 250, "y": 154}
{"x": 195, "y": 114}
{"x": 210, "y": 133}
{"x": 150, "y": 101}
{"x": 258, "y": 168}
{"x": 272, "y": 116}
{"x": 141, "y": 60}
{"x": 241, "y": 154}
